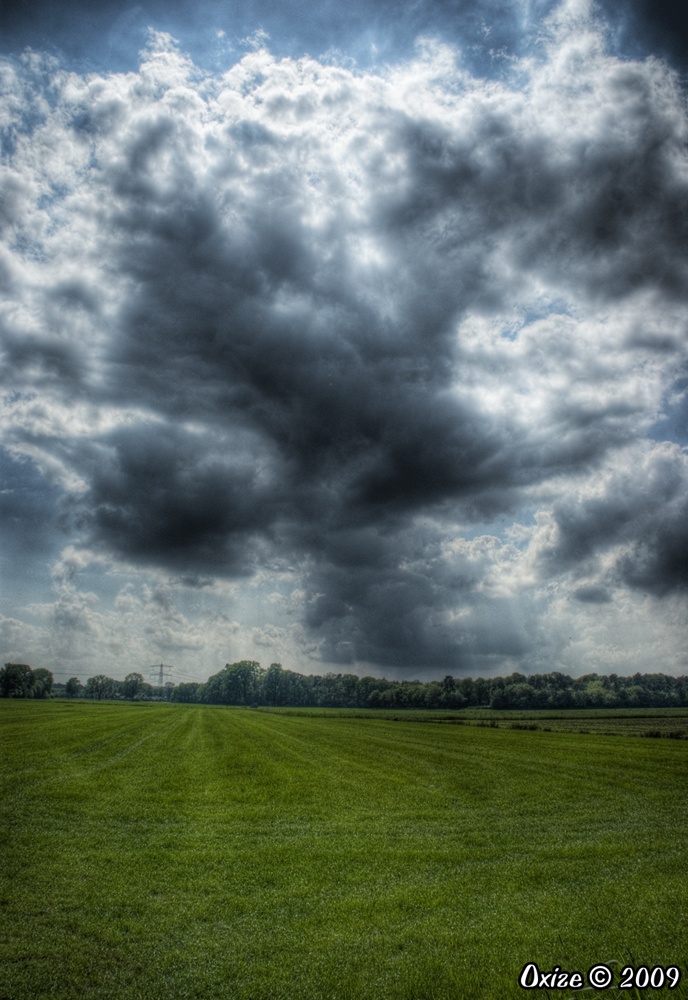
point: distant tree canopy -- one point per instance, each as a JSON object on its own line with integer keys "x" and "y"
{"x": 132, "y": 686}
{"x": 73, "y": 687}
{"x": 18, "y": 680}
{"x": 248, "y": 683}
{"x": 99, "y": 687}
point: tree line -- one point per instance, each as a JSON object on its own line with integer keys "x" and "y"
{"x": 18, "y": 680}
{"x": 248, "y": 683}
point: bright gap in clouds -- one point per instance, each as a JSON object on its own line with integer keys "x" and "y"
{"x": 342, "y": 368}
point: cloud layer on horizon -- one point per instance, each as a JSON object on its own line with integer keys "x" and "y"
{"x": 411, "y": 344}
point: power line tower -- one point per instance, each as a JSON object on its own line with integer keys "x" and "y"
{"x": 157, "y": 673}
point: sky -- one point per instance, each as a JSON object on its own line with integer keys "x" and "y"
{"x": 347, "y": 336}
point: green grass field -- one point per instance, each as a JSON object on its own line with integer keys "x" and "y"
{"x": 670, "y": 723}
{"x": 172, "y": 851}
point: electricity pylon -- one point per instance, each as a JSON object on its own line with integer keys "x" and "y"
{"x": 157, "y": 673}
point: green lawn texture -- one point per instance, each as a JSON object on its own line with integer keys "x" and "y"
{"x": 173, "y": 851}
{"x": 646, "y": 722}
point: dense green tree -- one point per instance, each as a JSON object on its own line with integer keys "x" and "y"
{"x": 16, "y": 680}
{"x": 132, "y": 686}
{"x": 481, "y": 692}
{"x": 99, "y": 687}
{"x": 73, "y": 687}
{"x": 275, "y": 685}
{"x": 186, "y": 692}
{"x": 241, "y": 681}
{"x": 42, "y": 683}
{"x": 433, "y": 694}
{"x": 366, "y": 685}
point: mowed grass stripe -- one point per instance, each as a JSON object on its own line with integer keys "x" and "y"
{"x": 189, "y": 851}
{"x": 86, "y": 738}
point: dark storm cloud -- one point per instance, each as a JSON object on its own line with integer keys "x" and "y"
{"x": 592, "y": 595}
{"x": 47, "y": 358}
{"x": 604, "y": 216}
{"x": 394, "y": 608}
{"x": 288, "y": 293}
{"x": 29, "y": 508}
{"x": 168, "y": 498}
{"x": 640, "y": 518}
{"x": 32, "y": 528}
{"x": 656, "y": 26}
{"x": 658, "y": 563}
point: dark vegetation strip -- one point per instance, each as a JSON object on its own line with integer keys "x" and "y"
{"x": 248, "y": 683}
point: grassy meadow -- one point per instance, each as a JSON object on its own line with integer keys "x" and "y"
{"x": 671, "y": 723}
{"x": 174, "y": 851}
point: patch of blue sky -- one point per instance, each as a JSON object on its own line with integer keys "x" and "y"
{"x": 16, "y": 396}
{"x": 214, "y": 34}
{"x": 57, "y": 192}
{"x": 108, "y": 36}
{"x": 538, "y": 310}
{"x": 673, "y": 423}
{"x": 501, "y": 527}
